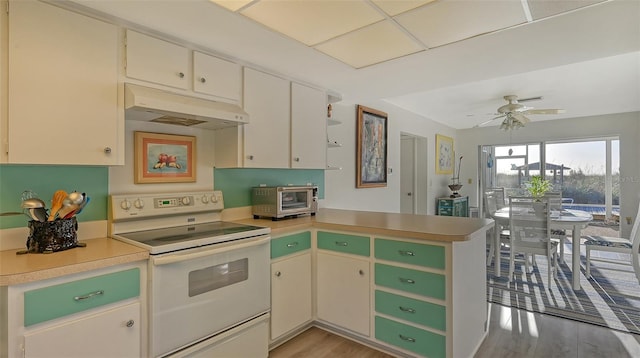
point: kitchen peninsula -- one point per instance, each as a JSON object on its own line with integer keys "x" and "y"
{"x": 407, "y": 284}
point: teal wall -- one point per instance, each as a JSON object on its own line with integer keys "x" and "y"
{"x": 236, "y": 184}
{"x": 45, "y": 180}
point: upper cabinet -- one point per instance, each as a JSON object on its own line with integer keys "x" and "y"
{"x": 217, "y": 77}
{"x": 161, "y": 62}
{"x": 266, "y": 137}
{"x": 62, "y": 88}
{"x": 287, "y": 127}
{"x": 158, "y": 61}
{"x": 308, "y": 127}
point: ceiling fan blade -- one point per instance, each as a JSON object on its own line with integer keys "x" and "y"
{"x": 530, "y": 99}
{"x": 520, "y": 117}
{"x": 544, "y": 111}
{"x": 489, "y": 121}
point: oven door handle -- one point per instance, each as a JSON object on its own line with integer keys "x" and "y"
{"x": 219, "y": 248}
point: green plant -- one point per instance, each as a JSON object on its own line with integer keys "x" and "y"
{"x": 538, "y": 186}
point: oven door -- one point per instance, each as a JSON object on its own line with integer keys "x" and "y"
{"x": 294, "y": 200}
{"x": 200, "y": 292}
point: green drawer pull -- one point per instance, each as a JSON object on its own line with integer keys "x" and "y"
{"x": 408, "y": 339}
{"x": 342, "y": 243}
{"x": 406, "y": 253}
{"x": 293, "y": 244}
{"x": 89, "y": 295}
{"x": 406, "y": 280}
{"x": 407, "y": 309}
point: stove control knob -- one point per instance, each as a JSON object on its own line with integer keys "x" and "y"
{"x": 138, "y": 203}
{"x": 204, "y": 199}
{"x": 125, "y": 204}
{"x": 214, "y": 198}
{"x": 185, "y": 200}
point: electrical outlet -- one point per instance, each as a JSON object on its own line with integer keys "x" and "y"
{"x": 469, "y": 181}
{"x": 628, "y": 218}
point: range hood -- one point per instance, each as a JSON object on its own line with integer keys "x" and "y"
{"x": 154, "y": 105}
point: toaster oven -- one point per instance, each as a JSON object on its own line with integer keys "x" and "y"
{"x": 278, "y": 202}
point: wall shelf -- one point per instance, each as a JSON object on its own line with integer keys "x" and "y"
{"x": 333, "y": 145}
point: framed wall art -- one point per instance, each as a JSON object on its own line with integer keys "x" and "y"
{"x": 444, "y": 154}
{"x": 164, "y": 158}
{"x": 371, "y": 151}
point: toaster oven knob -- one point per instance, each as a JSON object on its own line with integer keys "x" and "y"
{"x": 125, "y": 204}
{"x": 204, "y": 199}
{"x": 185, "y": 200}
{"x": 214, "y": 198}
{"x": 138, "y": 203}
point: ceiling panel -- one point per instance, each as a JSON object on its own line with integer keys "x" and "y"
{"x": 445, "y": 22}
{"x": 314, "y": 21}
{"x": 373, "y": 44}
{"x": 545, "y": 8}
{"x": 395, "y": 7}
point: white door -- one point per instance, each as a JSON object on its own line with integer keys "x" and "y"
{"x": 407, "y": 175}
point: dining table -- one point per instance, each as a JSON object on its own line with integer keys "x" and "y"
{"x": 574, "y": 220}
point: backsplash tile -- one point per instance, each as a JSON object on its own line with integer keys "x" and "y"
{"x": 236, "y": 183}
{"x": 45, "y": 180}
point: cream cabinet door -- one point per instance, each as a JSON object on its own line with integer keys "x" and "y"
{"x": 343, "y": 295}
{"x": 158, "y": 61}
{"x": 113, "y": 333}
{"x": 290, "y": 294}
{"x": 217, "y": 77}
{"x": 266, "y": 137}
{"x": 308, "y": 127}
{"x": 63, "y": 88}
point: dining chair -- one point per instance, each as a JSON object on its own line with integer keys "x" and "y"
{"x": 555, "y": 205}
{"x": 501, "y": 197}
{"x": 491, "y": 199}
{"x": 530, "y": 229}
{"x": 616, "y": 244}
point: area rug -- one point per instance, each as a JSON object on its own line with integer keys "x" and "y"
{"x": 610, "y": 298}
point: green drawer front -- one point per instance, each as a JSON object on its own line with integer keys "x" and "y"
{"x": 51, "y": 302}
{"x": 418, "y": 282}
{"x": 408, "y": 309}
{"x": 350, "y": 244}
{"x": 424, "y": 343}
{"x": 289, "y": 244}
{"x": 445, "y": 211}
{"x": 410, "y": 253}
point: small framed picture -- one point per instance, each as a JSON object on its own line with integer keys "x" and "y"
{"x": 164, "y": 158}
{"x": 371, "y": 151}
{"x": 444, "y": 154}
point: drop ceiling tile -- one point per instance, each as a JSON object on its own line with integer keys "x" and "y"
{"x": 232, "y": 5}
{"x": 545, "y": 8}
{"x": 313, "y": 21}
{"x": 395, "y": 7}
{"x": 373, "y": 44}
{"x": 444, "y": 22}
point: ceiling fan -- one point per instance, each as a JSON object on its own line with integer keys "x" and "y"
{"x": 513, "y": 113}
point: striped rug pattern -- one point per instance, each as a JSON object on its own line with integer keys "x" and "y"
{"x": 609, "y": 298}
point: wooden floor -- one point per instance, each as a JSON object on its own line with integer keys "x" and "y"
{"x": 512, "y": 333}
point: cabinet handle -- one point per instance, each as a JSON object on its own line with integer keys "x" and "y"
{"x": 408, "y": 339}
{"x": 407, "y": 309}
{"x": 203, "y": 80}
{"x": 89, "y": 295}
{"x": 406, "y": 253}
{"x": 342, "y": 243}
{"x": 181, "y": 74}
{"x": 278, "y": 273}
{"x": 107, "y": 150}
{"x": 293, "y": 244}
{"x": 361, "y": 272}
{"x": 296, "y": 159}
{"x": 130, "y": 323}
{"x": 250, "y": 157}
{"x": 407, "y": 280}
